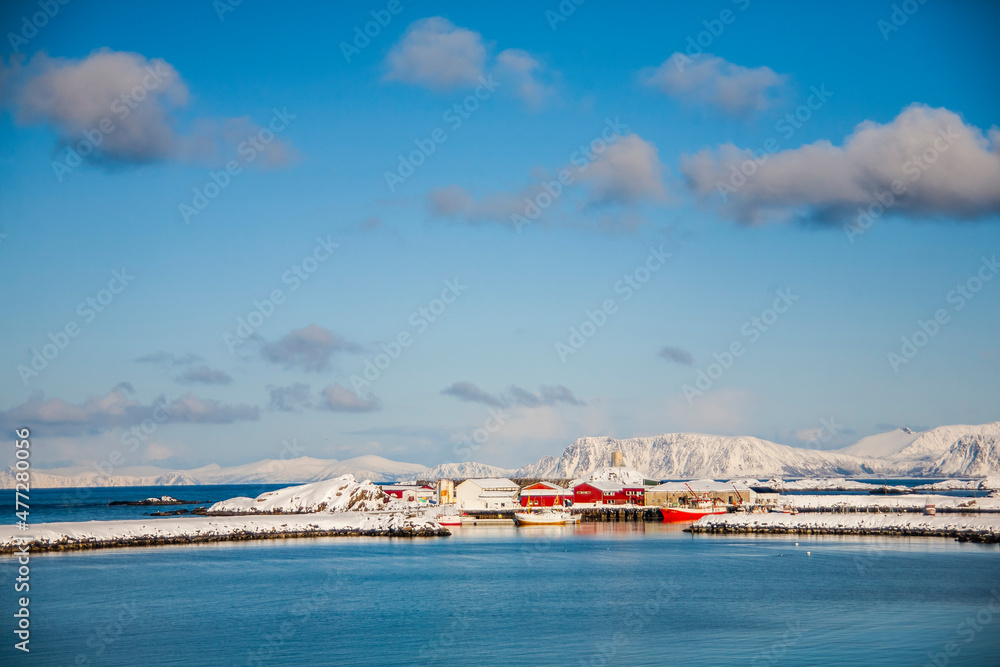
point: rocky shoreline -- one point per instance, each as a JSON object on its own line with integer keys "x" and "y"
{"x": 964, "y": 529}
{"x": 67, "y": 544}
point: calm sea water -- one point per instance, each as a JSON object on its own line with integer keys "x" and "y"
{"x": 593, "y": 594}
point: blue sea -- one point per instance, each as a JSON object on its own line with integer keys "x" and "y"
{"x": 592, "y": 594}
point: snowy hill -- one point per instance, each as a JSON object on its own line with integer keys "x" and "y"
{"x": 681, "y": 455}
{"x": 882, "y": 445}
{"x": 343, "y": 494}
{"x": 465, "y": 470}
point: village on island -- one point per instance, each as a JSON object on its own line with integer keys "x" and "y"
{"x": 966, "y": 510}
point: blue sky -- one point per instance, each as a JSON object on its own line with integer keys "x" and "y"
{"x": 677, "y": 120}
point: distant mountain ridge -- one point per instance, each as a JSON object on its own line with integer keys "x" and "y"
{"x": 965, "y": 451}
{"x": 945, "y": 451}
{"x": 269, "y": 471}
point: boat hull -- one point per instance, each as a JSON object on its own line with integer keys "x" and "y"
{"x": 681, "y": 514}
{"x": 527, "y": 519}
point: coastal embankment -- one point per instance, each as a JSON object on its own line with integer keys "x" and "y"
{"x": 966, "y": 527}
{"x": 72, "y": 536}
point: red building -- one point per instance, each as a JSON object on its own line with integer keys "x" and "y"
{"x": 544, "y": 494}
{"x": 409, "y": 492}
{"x": 608, "y": 493}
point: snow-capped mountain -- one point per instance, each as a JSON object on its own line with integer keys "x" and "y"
{"x": 687, "y": 455}
{"x": 882, "y": 445}
{"x": 966, "y": 451}
{"x": 465, "y": 470}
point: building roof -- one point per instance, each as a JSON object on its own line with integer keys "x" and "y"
{"x": 493, "y": 483}
{"x": 547, "y": 485}
{"x": 707, "y": 485}
{"x": 612, "y": 486}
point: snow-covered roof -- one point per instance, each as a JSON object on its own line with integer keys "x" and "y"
{"x": 619, "y": 475}
{"x": 611, "y": 486}
{"x": 494, "y": 483}
{"x": 699, "y": 485}
{"x": 548, "y": 485}
{"x": 547, "y": 492}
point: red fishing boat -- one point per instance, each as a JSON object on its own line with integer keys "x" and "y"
{"x": 692, "y": 512}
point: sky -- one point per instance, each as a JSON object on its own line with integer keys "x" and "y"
{"x": 442, "y": 232}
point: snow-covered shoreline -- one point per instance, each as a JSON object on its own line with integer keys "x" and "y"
{"x": 68, "y": 536}
{"x": 976, "y": 528}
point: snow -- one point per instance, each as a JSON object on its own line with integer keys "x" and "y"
{"x": 625, "y": 476}
{"x": 882, "y": 445}
{"x": 702, "y": 486}
{"x": 697, "y": 455}
{"x": 342, "y": 494}
{"x": 273, "y": 471}
{"x": 208, "y": 528}
{"x": 822, "y": 484}
{"x": 969, "y": 451}
{"x": 992, "y": 482}
{"x": 912, "y": 501}
{"x": 464, "y": 470}
{"x": 981, "y": 524}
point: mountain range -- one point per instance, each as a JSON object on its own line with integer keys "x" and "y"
{"x": 945, "y": 451}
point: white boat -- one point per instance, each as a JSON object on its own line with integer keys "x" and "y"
{"x": 545, "y": 518}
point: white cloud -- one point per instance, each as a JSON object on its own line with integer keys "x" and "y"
{"x": 629, "y": 172}
{"x": 439, "y": 55}
{"x": 120, "y": 107}
{"x": 522, "y": 71}
{"x": 712, "y": 81}
{"x": 309, "y": 348}
{"x": 55, "y": 417}
{"x": 626, "y": 174}
{"x": 940, "y": 165}
{"x": 338, "y": 398}
{"x": 436, "y": 53}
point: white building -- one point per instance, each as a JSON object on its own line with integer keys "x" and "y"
{"x": 487, "y": 494}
